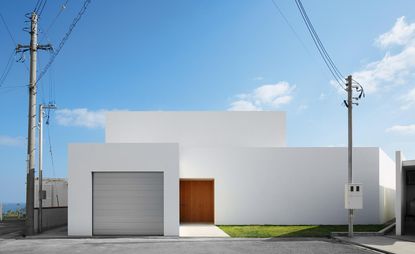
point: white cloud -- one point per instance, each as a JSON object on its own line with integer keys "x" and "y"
{"x": 400, "y": 34}
{"x": 81, "y": 117}
{"x": 11, "y": 141}
{"x": 270, "y": 96}
{"x": 408, "y": 99}
{"x": 402, "y": 129}
{"x": 394, "y": 68}
{"x": 242, "y": 105}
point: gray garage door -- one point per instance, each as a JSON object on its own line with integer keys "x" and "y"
{"x": 128, "y": 203}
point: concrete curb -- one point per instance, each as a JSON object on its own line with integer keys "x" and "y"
{"x": 362, "y": 245}
{"x": 381, "y": 232}
{"x": 180, "y": 239}
{"x": 345, "y": 234}
{"x": 388, "y": 228}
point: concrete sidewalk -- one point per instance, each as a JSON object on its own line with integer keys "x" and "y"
{"x": 385, "y": 244}
{"x": 186, "y": 230}
{"x": 201, "y": 230}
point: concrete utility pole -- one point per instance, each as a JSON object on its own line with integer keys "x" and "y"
{"x": 40, "y": 161}
{"x": 30, "y": 178}
{"x": 350, "y": 143}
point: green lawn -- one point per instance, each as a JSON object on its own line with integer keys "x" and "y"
{"x": 288, "y": 231}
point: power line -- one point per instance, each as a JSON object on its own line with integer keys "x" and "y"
{"x": 52, "y": 160}
{"x": 336, "y": 70}
{"x": 7, "y": 69}
{"x": 290, "y": 26}
{"x": 39, "y": 7}
{"x": 52, "y": 93}
{"x": 38, "y": 3}
{"x": 63, "y": 7}
{"x": 64, "y": 39}
{"x": 299, "y": 38}
{"x": 8, "y": 30}
{"x": 11, "y": 35}
{"x": 320, "y": 47}
{"x": 43, "y": 7}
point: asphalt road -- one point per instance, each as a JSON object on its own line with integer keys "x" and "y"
{"x": 11, "y": 229}
{"x": 182, "y": 246}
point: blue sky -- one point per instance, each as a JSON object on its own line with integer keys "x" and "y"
{"x": 211, "y": 55}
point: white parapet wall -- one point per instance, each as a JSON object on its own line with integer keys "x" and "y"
{"x": 254, "y": 129}
{"x": 287, "y": 186}
{"x": 84, "y": 159}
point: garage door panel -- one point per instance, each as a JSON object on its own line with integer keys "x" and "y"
{"x": 106, "y": 179}
{"x": 130, "y": 229}
{"x": 128, "y": 212}
{"x": 123, "y": 184}
{"x": 128, "y": 203}
{"x": 142, "y": 205}
{"x": 146, "y": 218}
{"x": 140, "y": 187}
{"x": 128, "y": 193}
{"x": 122, "y": 205}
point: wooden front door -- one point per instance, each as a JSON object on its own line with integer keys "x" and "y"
{"x": 196, "y": 201}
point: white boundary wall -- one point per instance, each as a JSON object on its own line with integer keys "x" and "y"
{"x": 87, "y": 158}
{"x": 287, "y": 186}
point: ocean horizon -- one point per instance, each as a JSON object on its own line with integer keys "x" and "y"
{"x": 12, "y": 206}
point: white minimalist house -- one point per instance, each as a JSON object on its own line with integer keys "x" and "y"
{"x": 159, "y": 169}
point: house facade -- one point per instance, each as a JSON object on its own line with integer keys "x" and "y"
{"x": 159, "y": 169}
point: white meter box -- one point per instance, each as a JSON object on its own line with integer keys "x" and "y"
{"x": 353, "y": 196}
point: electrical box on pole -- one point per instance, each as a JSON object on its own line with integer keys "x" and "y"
{"x": 353, "y": 196}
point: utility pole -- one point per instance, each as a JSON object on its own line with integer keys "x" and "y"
{"x": 40, "y": 161}
{"x": 30, "y": 177}
{"x": 350, "y": 143}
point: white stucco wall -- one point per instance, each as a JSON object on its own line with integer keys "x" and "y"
{"x": 387, "y": 186}
{"x": 255, "y": 129}
{"x": 87, "y": 158}
{"x": 285, "y": 185}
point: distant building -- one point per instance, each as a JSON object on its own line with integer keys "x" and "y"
{"x": 56, "y": 192}
{"x": 55, "y": 206}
